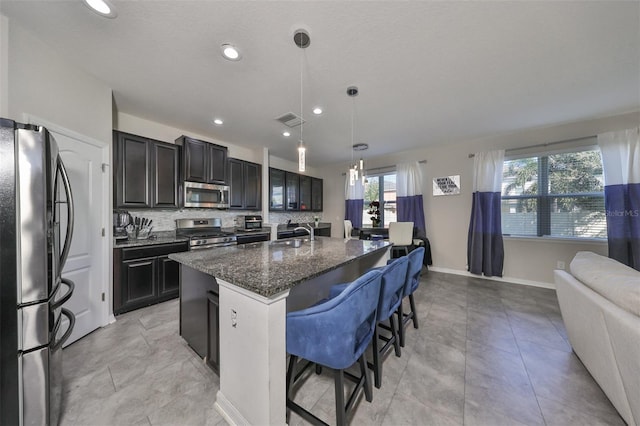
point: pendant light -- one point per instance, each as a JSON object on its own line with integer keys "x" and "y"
{"x": 302, "y": 40}
{"x": 352, "y": 92}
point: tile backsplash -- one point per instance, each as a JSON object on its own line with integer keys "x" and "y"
{"x": 164, "y": 220}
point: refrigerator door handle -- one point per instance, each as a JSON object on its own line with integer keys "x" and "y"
{"x": 72, "y": 322}
{"x": 70, "y": 213}
{"x": 67, "y": 295}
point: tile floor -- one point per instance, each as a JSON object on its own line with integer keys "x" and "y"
{"x": 486, "y": 353}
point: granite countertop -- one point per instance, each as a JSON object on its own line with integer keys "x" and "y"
{"x": 161, "y": 237}
{"x": 269, "y": 268}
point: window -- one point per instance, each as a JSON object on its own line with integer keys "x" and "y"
{"x": 560, "y": 195}
{"x": 380, "y": 187}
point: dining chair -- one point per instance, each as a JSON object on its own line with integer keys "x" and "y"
{"x": 348, "y": 227}
{"x": 401, "y": 236}
{"x": 335, "y": 334}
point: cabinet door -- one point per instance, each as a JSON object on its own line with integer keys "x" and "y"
{"x": 305, "y": 192}
{"x": 236, "y": 184}
{"x": 316, "y": 194}
{"x": 196, "y": 160}
{"x": 276, "y": 189}
{"x": 132, "y": 174}
{"x": 213, "y": 331}
{"x": 292, "y": 191}
{"x": 168, "y": 278}
{"x": 165, "y": 175}
{"x": 217, "y": 164}
{"x": 138, "y": 283}
{"x": 252, "y": 186}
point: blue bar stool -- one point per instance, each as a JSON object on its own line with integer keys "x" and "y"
{"x": 394, "y": 276}
{"x": 335, "y": 334}
{"x": 416, "y": 258}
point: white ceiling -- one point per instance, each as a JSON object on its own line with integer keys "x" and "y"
{"x": 428, "y": 72}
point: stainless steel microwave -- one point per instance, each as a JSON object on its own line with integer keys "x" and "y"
{"x": 206, "y": 195}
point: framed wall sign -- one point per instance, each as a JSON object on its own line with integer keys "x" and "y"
{"x": 448, "y": 185}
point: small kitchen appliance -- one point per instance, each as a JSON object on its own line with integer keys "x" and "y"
{"x": 248, "y": 222}
{"x": 204, "y": 233}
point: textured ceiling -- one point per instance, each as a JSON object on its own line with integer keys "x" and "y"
{"x": 428, "y": 72}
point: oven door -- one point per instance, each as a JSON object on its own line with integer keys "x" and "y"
{"x": 204, "y": 195}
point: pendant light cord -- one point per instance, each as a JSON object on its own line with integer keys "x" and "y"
{"x": 301, "y": 91}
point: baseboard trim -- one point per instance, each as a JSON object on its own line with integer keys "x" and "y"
{"x": 509, "y": 280}
{"x": 228, "y": 411}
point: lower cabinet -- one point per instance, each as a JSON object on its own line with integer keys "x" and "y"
{"x": 145, "y": 275}
{"x": 199, "y": 315}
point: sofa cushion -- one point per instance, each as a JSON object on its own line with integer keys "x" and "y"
{"x": 611, "y": 279}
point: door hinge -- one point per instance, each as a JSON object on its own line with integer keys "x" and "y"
{"x": 104, "y": 166}
{"x": 103, "y": 232}
{"x": 103, "y": 297}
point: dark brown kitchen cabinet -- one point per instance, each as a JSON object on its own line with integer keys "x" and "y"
{"x": 294, "y": 192}
{"x": 276, "y": 189}
{"x": 203, "y": 161}
{"x": 245, "y": 185}
{"x": 316, "y": 194}
{"x": 305, "y": 192}
{"x": 144, "y": 275}
{"x": 146, "y": 172}
{"x": 292, "y": 186}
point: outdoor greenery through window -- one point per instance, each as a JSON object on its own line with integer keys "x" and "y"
{"x": 558, "y": 195}
{"x": 376, "y": 188}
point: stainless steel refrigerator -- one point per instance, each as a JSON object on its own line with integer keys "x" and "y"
{"x": 35, "y": 207}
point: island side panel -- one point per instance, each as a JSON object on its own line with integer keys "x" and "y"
{"x": 252, "y": 357}
{"x": 311, "y": 291}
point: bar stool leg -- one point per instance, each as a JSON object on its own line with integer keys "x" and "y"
{"x": 377, "y": 362}
{"x": 341, "y": 415}
{"x": 400, "y": 314}
{"x": 413, "y": 310}
{"x": 394, "y": 335}
{"x": 368, "y": 391}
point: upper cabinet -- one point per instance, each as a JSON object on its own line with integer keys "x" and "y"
{"x": 316, "y": 194}
{"x": 203, "y": 161}
{"x": 294, "y": 192}
{"x": 245, "y": 185}
{"x": 276, "y": 189}
{"x": 292, "y": 199}
{"x": 146, "y": 172}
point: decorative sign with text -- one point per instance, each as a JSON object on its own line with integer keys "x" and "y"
{"x": 448, "y": 185}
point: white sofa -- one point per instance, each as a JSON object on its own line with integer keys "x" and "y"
{"x": 600, "y": 305}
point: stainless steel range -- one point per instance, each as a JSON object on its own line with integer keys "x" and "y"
{"x": 204, "y": 233}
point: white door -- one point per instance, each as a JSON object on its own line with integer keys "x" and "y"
{"x": 86, "y": 266}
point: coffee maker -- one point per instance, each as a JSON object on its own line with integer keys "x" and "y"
{"x": 121, "y": 218}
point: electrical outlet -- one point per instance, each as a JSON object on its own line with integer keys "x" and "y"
{"x": 234, "y": 318}
{"x": 560, "y": 265}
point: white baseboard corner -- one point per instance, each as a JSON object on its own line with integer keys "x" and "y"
{"x": 230, "y": 413}
{"x": 509, "y": 280}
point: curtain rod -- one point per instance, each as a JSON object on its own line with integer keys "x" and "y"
{"x": 543, "y": 145}
{"x": 390, "y": 167}
{"x": 386, "y": 167}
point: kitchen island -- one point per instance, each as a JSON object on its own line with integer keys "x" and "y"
{"x": 258, "y": 284}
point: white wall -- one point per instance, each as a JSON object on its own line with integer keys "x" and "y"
{"x": 4, "y": 66}
{"x": 447, "y": 217}
{"x": 43, "y": 84}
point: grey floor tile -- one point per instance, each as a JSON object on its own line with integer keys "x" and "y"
{"x": 486, "y": 353}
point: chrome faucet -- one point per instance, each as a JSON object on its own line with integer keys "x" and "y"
{"x": 309, "y": 230}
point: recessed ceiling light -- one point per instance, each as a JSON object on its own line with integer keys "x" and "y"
{"x": 230, "y": 52}
{"x": 102, "y": 7}
{"x": 286, "y": 134}
{"x": 218, "y": 122}
{"x": 317, "y": 110}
